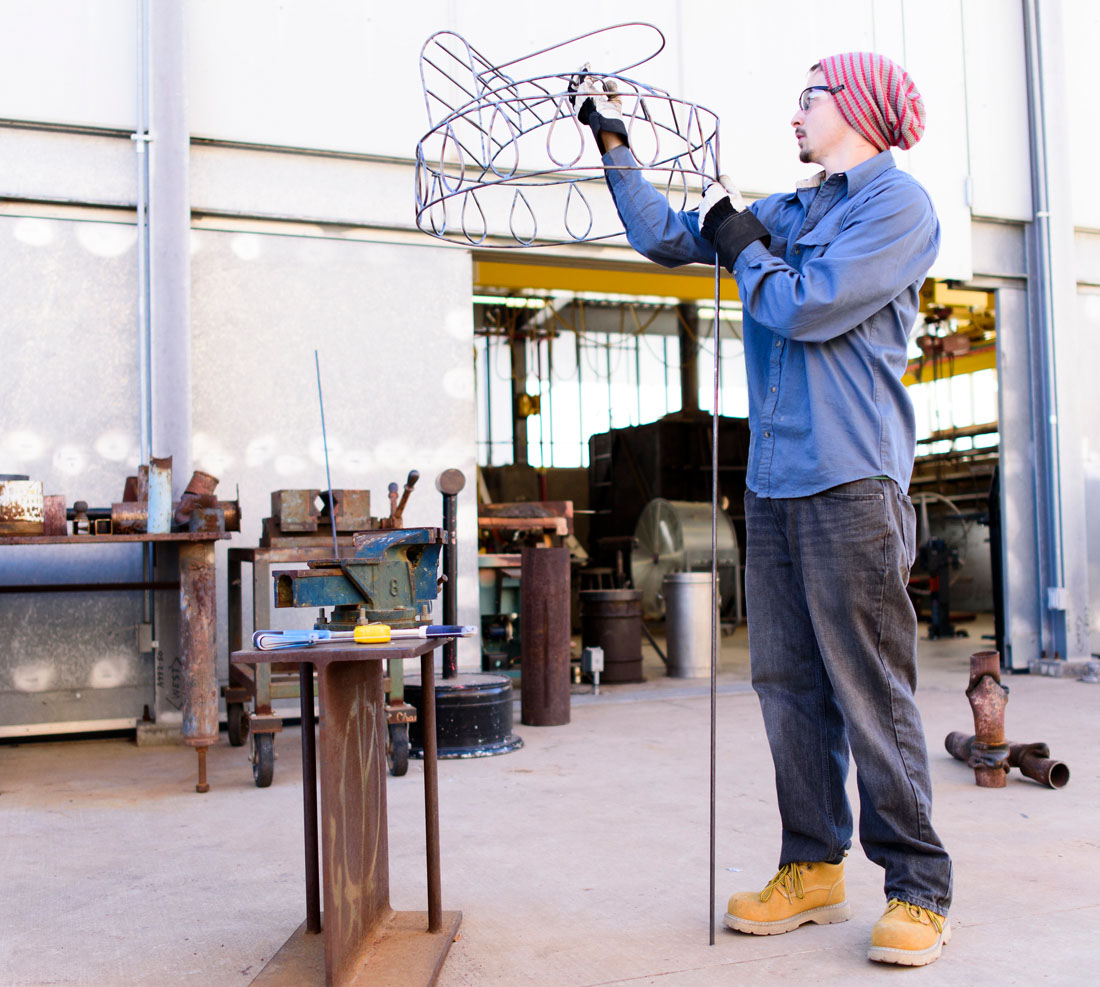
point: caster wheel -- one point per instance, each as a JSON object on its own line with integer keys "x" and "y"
{"x": 263, "y": 758}
{"x": 397, "y": 750}
{"x": 237, "y": 727}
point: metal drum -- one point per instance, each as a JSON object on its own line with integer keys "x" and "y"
{"x": 612, "y": 619}
{"x": 687, "y": 624}
{"x": 473, "y": 716}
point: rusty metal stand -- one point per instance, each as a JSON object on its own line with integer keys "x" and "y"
{"x": 363, "y": 940}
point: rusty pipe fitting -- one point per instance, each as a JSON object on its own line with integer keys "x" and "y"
{"x": 988, "y": 698}
{"x": 990, "y": 763}
{"x": 202, "y": 485}
{"x": 1035, "y": 762}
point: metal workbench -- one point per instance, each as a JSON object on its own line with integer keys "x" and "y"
{"x": 185, "y": 680}
{"x": 363, "y": 940}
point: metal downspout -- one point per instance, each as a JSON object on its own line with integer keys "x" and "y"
{"x": 1048, "y": 479}
{"x": 141, "y": 139}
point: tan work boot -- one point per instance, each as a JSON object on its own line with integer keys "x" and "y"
{"x": 799, "y": 893}
{"x": 908, "y": 934}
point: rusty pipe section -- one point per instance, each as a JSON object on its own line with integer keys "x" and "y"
{"x": 198, "y": 649}
{"x": 544, "y": 604}
{"x": 988, "y": 698}
{"x": 131, "y": 517}
{"x": 1033, "y": 760}
{"x": 202, "y": 485}
{"x": 986, "y": 750}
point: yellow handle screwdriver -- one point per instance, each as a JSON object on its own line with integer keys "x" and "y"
{"x": 362, "y": 634}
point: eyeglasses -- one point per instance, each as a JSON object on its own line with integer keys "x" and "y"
{"x": 807, "y": 96}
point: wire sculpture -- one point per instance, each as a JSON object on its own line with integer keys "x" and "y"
{"x": 505, "y": 146}
{"x": 503, "y": 136}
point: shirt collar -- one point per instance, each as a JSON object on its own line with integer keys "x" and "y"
{"x": 862, "y": 174}
{"x": 856, "y": 177}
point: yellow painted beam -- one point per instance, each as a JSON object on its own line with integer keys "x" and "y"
{"x": 621, "y": 279}
{"x": 984, "y": 359}
{"x": 980, "y": 301}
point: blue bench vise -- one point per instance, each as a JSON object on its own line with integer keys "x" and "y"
{"x": 392, "y": 579}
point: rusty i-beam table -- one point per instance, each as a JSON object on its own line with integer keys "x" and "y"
{"x": 195, "y": 695}
{"x": 363, "y": 941}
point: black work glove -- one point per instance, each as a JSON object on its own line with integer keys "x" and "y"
{"x": 726, "y": 223}
{"x": 598, "y": 106}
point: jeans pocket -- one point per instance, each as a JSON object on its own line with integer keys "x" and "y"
{"x": 909, "y": 529}
{"x": 857, "y": 490}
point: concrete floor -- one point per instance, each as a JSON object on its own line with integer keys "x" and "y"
{"x": 581, "y": 859}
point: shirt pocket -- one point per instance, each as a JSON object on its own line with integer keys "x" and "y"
{"x": 815, "y": 241}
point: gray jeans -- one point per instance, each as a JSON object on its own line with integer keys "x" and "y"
{"x": 833, "y": 643}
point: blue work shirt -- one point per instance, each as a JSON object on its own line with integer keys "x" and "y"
{"x": 827, "y": 309}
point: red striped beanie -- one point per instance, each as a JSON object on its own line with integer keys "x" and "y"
{"x": 879, "y": 100}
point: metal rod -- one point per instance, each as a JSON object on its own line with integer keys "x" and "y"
{"x": 714, "y": 593}
{"x": 431, "y": 790}
{"x": 450, "y": 585}
{"x": 328, "y": 475}
{"x": 90, "y": 587}
{"x": 309, "y": 797}
{"x": 653, "y": 641}
{"x": 202, "y": 787}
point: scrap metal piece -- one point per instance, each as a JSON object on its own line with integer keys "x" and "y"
{"x": 160, "y": 496}
{"x": 208, "y": 516}
{"x": 129, "y": 518}
{"x": 82, "y": 524}
{"x": 21, "y": 507}
{"x": 142, "y": 492}
{"x": 202, "y": 484}
{"x": 1035, "y": 762}
{"x": 54, "y": 521}
{"x": 988, "y": 698}
{"x": 350, "y": 509}
{"x": 296, "y": 510}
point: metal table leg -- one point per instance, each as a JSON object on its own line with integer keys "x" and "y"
{"x": 198, "y": 650}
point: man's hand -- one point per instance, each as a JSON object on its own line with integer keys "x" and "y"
{"x": 717, "y": 192}
{"x": 725, "y": 222}
{"x": 597, "y": 104}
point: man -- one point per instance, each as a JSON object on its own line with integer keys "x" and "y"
{"x": 829, "y": 277}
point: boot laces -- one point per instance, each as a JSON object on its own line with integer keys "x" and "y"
{"x": 915, "y": 912}
{"x": 788, "y": 880}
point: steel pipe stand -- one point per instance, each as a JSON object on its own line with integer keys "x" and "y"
{"x": 404, "y": 954}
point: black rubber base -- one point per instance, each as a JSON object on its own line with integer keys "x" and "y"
{"x": 474, "y": 716}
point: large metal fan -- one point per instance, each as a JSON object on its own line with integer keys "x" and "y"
{"x": 674, "y": 536}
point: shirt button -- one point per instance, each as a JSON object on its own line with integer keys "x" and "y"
{"x": 779, "y": 342}
{"x": 773, "y": 390}
{"x": 767, "y": 435}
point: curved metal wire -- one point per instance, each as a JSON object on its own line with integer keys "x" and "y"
{"x": 483, "y": 163}
{"x": 508, "y": 144}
